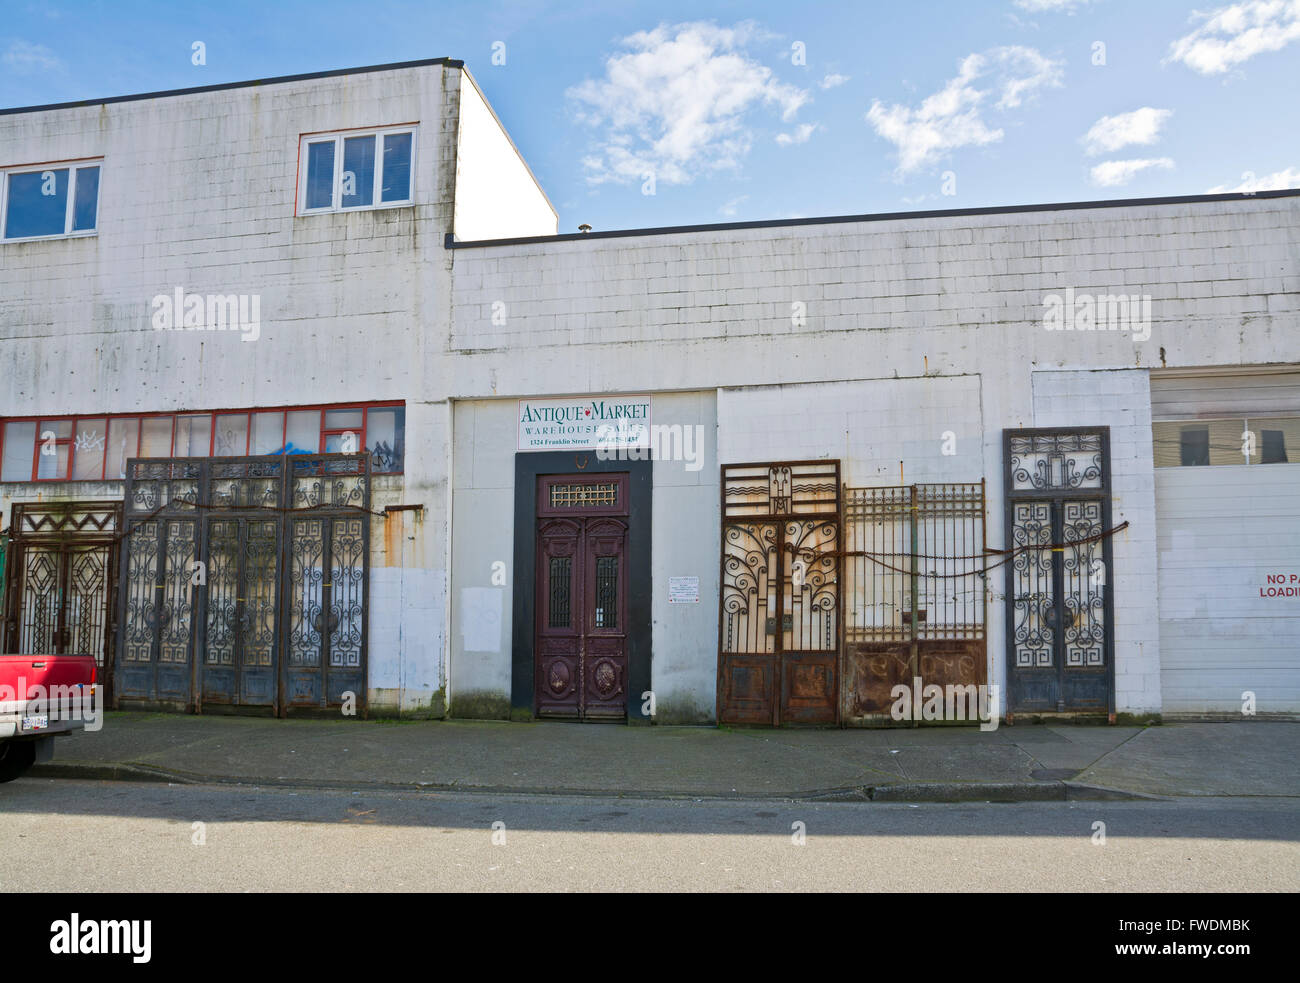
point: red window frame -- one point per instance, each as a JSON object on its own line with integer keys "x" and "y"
{"x": 213, "y": 415}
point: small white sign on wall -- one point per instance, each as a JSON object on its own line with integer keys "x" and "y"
{"x": 481, "y": 615}
{"x": 584, "y": 422}
{"x": 683, "y": 590}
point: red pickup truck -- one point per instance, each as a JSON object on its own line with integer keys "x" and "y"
{"x": 42, "y": 696}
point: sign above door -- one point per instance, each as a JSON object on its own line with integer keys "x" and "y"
{"x": 584, "y": 423}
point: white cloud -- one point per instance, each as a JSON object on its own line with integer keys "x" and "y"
{"x": 730, "y": 207}
{"x": 833, "y": 79}
{"x": 1234, "y": 34}
{"x": 800, "y": 135}
{"x": 1286, "y": 178}
{"x": 1039, "y": 6}
{"x": 1115, "y": 172}
{"x": 675, "y": 103}
{"x": 952, "y": 117}
{"x": 1110, "y": 133}
{"x": 23, "y": 57}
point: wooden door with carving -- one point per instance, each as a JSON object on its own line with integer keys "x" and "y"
{"x": 581, "y": 605}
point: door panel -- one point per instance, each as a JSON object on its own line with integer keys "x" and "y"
{"x": 780, "y": 631}
{"x": 559, "y": 617}
{"x": 1059, "y": 612}
{"x": 581, "y": 605}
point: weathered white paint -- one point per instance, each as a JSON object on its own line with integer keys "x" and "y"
{"x": 497, "y": 196}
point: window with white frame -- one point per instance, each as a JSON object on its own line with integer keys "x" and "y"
{"x": 42, "y": 201}
{"x": 356, "y": 169}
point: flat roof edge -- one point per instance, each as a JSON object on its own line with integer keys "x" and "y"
{"x": 221, "y": 86}
{"x": 452, "y": 243}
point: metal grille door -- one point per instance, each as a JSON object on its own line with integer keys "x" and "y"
{"x": 915, "y": 597}
{"x": 1060, "y": 643}
{"x": 779, "y": 616}
{"x": 62, "y": 573}
{"x": 232, "y": 562}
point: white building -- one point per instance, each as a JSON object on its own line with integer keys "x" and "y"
{"x": 847, "y": 414}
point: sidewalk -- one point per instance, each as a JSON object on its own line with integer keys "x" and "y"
{"x": 923, "y": 764}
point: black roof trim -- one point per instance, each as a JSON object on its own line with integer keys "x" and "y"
{"x": 452, "y": 243}
{"x": 449, "y": 62}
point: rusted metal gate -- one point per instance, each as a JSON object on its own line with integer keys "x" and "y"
{"x": 1060, "y": 644}
{"x": 232, "y": 562}
{"x": 61, "y": 572}
{"x": 915, "y": 598}
{"x": 779, "y": 620}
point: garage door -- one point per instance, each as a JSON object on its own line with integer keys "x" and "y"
{"x": 1227, "y": 483}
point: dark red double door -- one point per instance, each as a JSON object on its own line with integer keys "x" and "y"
{"x": 581, "y": 610}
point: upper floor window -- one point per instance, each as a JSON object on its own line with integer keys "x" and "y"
{"x": 1205, "y": 443}
{"x": 356, "y": 169}
{"x": 48, "y": 200}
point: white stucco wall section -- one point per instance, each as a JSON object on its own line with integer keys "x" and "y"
{"x": 497, "y": 196}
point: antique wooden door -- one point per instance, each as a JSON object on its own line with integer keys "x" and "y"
{"x": 581, "y": 631}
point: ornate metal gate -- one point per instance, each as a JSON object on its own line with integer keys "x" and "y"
{"x": 1060, "y": 644}
{"x": 61, "y": 571}
{"x": 779, "y": 622}
{"x": 230, "y": 563}
{"x": 915, "y": 597}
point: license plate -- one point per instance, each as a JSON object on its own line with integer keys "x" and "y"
{"x": 36, "y": 723}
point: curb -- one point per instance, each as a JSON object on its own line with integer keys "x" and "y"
{"x": 1048, "y": 791}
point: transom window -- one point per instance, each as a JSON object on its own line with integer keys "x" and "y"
{"x": 94, "y": 448}
{"x": 44, "y": 201}
{"x": 1202, "y": 443}
{"x": 356, "y": 169}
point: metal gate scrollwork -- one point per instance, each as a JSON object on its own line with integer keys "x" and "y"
{"x": 779, "y": 619}
{"x": 61, "y": 572}
{"x": 1060, "y": 645}
{"x": 245, "y": 581}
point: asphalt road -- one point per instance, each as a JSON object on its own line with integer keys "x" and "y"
{"x": 144, "y": 837}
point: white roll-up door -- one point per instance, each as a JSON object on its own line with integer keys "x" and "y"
{"x": 1227, "y": 483}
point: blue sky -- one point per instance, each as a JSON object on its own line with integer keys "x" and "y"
{"x": 760, "y": 110}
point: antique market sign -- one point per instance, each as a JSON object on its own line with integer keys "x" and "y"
{"x": 584, "y": 423}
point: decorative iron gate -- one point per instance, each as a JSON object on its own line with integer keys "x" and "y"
{"x": 915, "y": 597}
{"x": 232, "y": 562}
{"x": 61, "y": 572}
{"x": 779, "y": 619}
{"x": 1060, "y": 644}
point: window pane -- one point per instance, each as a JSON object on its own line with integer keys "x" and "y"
{"x": 320, "y": 174}
{"x": 358, "y": 171}
{"x": 61, "y": 429}
{"x": 193, "y": 435}
{"x": 303, "y": 436}
{"x": 397, "y": 167}
{"x": 1273, "y": 438}
{"x": 232, "y": 435}
{"x": 88, "y": 451}
{"x": 1193, "y": 446}
{"x": 343, "y": 420}
{"x": 385, "y": 437}
{"x": 52, "y": 461}
{"x": 268, "y": 433}
{"x": 86, "y": 199}
{"x": 122, "y": 437}
{"x": 20, "y": 439}
{"x": 37, "y": 204}
{"x": 156, "y": 436}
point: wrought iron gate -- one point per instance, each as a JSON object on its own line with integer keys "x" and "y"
{"x": 61, "y": 571}
{"x": 232, "y": 562}
{"x": 1060, "y": 644}
{"x": 779, "y": 619}
{"x": 915, "y": 597}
